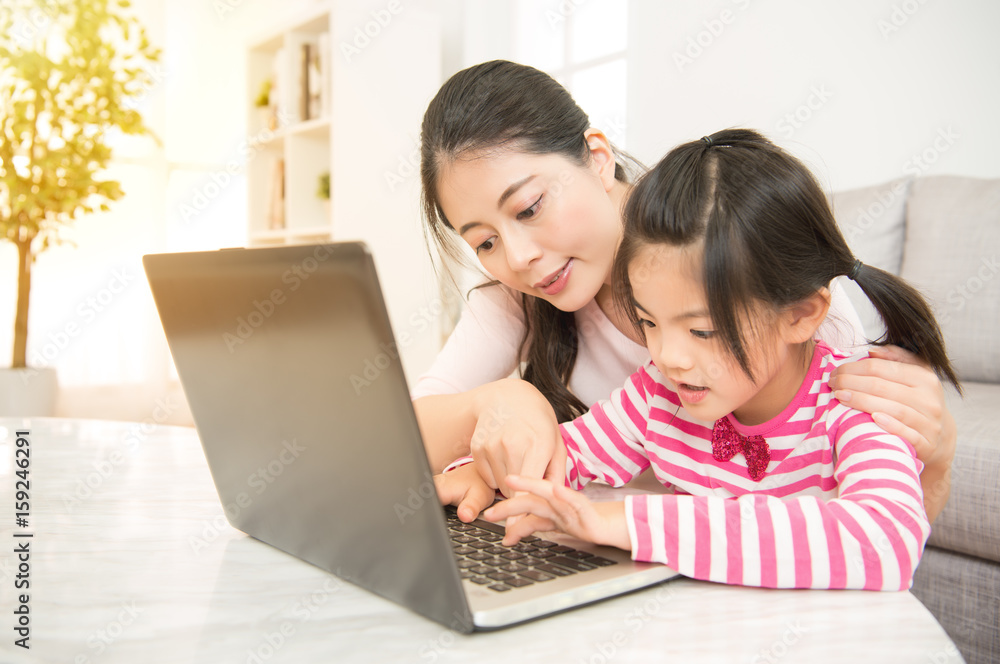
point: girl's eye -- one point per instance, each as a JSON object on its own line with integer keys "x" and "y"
{"x": 485, "y": 246}
{"x": 703, "y": 334}
{"x": 646, "y": 323}
{"x": 531, "y": 211}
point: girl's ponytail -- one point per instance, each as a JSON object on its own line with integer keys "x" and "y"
{"x": 769, "y": 237}
{"x": 908, "y": 319}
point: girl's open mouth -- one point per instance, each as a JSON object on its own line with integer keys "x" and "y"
{"x": 691, "y": 393}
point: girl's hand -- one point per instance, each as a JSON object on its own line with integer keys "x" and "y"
{"x": 906, "y": 399}
{"x": 464, "y": 488}
{"x": 516, "y": 434}
{"x": 543, "y": 506}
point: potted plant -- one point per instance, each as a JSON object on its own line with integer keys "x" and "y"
{"x": 323, "y": 192}
{"x": 70, "y": 74}
{"x": 262, "y": 102}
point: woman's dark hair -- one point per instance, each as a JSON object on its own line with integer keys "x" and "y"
{"x": 497, "y": 105}
{"x": 769, "y": 237}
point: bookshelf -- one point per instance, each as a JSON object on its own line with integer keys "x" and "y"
{"x": 289, "y": 86}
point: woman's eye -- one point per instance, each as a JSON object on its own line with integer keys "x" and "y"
{"x": 703, "y": 334}
{"x": 646, "y": 323}
{"x": 531, "y": 211}
{"x": 485, "y": 246}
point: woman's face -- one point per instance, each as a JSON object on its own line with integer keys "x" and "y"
{"x": 540, "y": 224}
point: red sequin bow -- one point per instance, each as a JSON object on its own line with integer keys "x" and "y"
{"x": 727, "y": 441}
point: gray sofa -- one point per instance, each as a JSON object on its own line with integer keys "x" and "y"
{"x": 942, "y": 234}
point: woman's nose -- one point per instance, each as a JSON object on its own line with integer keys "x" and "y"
{"x": 521, "y": 249}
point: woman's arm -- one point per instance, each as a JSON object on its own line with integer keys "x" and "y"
{"x": 507, "y": 426}
{"x": 906, "y": 399}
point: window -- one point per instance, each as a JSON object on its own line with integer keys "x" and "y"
{"x": 583, "y": 44}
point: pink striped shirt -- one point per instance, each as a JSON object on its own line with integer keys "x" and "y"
{"x": 840, "y": 506}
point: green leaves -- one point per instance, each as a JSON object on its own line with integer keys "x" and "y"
{"x": 70, "y": 73}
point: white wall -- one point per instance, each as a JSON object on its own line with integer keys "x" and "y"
{"x": 873, "y": 83}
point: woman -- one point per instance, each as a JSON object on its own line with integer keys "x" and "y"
{"x": 511, "y": 168}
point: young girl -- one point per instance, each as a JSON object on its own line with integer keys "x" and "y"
{"x": 511, "y": 167}
{"x": 729, "y": 251}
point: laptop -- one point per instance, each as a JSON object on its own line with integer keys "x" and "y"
{"x": 294, "y": 380}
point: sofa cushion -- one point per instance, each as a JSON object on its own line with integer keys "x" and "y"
{"x": 952, "y": 254}
{"x": 961, "y": 592}
{"x": 970, "y": 522}
{"x": 873, "y": 220}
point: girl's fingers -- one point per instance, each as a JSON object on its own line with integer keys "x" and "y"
{"x": 478, "y": 497}
{"x": 524, "y": 526}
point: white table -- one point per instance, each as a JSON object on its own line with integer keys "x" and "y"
{"x": 132, "y": 561}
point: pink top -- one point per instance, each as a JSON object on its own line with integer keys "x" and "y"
{"x": 483, "y": 346}
{"x": 840, "y": 505}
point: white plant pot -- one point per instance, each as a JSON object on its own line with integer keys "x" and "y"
{"x": 28, "y": 392}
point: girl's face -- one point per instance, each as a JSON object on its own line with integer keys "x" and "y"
{"x": 673, "y": 310}
{"x": 540, "y": 224}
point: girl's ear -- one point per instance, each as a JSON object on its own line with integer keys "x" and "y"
{"x": 800, "y": 321}
{"x": 602, "y": 156}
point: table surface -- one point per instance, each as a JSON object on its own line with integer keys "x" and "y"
{"x": 131, "y": 560}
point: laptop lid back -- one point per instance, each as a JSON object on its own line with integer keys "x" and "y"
{"x": 289, "y": 365}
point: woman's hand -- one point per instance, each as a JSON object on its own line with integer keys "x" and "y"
{"x": 516, "y": 434}
{"x": 906, "y": 399}
{"x": 541, "y": 505}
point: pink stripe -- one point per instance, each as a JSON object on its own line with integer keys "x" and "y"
{"x": 734, "y": 543}
{"x": 633, "y": 414}
{"x": 643, "y": 547}
{"x": 879, "y": 486}
{"x": 838, "y": 565}
{"x": 901, "y": 553}
{"x": 882, "y": 463}
{"x": 671, "y": 527}
{"x": 616, "y": 439}
{"x": 685, "y": 426}
{"x": 870, "y": 445}
{"x": 800, "y": 545}
{"x": 896, "y": 511}
{"x": 869, "y": 554}
{"x": 765, "y": 531}
{"x": 594, "y": 449}
{"x": 702, "y": 539}
{"x": 678, "y": 447}
{"x": 814, "y": 481}
{"x": 794, "y": 461}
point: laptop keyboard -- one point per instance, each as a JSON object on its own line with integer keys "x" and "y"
{"x": 482, "y": 559}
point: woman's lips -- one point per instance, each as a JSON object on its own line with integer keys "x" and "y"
{"x": 691, "y": 393}
{"x": 555, "y": 282}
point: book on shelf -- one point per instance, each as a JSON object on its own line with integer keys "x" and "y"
{"x": 313, "y": 77}
{"x": 276, "y": 208}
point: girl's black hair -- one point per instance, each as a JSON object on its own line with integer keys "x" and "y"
{"x": 769, "y": 237}
{"x": 497, "y": 105}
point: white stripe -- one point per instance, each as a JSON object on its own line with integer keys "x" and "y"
{"x": 854, "y": 560}
{"x": 685, "y": 536}
{"x": 783, "y": 547}
{"x": 654, "y": 513}
{"x": 718, "y": 543}
{"x": 818, "y": 546}
{"x": 750, "y": 542}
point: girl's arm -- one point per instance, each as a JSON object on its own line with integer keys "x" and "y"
{"x": 906, "y": 399}
{"x": 869, "y": 537}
